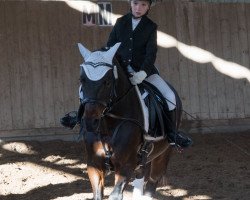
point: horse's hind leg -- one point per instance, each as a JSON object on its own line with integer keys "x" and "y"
{"x": 97, "y": 182}
{"x": 157, "y": 169}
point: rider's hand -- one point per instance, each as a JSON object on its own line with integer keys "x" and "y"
{"x": 138, "y": 77}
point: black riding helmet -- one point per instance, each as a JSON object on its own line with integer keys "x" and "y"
{"x": 150, "y": 1}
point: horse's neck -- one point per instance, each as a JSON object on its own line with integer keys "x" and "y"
{"x": 123, "y": 84}
{"x": 129, "y": 103}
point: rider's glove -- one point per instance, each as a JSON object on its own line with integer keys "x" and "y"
{"x": 138, "y": 77}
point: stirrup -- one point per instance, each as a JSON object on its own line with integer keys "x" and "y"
{"x": 179, "y": 139}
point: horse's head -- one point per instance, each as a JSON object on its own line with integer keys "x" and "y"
{"x": 98, "y": 77}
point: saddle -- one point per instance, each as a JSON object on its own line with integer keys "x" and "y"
{"x": 157, "y": 109}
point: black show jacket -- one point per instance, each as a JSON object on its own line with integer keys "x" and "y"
{"x": 139, "y": 47}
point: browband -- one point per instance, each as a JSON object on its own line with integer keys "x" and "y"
{"x": 103, "y": 64}
{"x": 98, "y": 64}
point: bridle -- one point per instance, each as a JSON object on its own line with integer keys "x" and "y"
{"x": 113, "y": 99}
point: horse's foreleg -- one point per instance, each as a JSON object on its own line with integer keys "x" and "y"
{"x": 97, "y": 182}
{"x": 125, "y": 146}
{"x": 158, "y": 168}
{"x": 120, "y": 183}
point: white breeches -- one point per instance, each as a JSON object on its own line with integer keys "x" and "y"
{"x": 165, "y": 90}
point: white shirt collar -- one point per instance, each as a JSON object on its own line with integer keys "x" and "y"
{"x": 135, "y": 22}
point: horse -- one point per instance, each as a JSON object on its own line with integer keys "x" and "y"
{"x": 113, "y": 126}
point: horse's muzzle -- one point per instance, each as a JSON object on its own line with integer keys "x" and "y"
{"x": 92, "y": 116}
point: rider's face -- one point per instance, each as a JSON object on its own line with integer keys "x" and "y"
{"x": 139, "y": 8}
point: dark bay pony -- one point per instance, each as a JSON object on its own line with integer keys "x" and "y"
{"x": 114, "y": 131}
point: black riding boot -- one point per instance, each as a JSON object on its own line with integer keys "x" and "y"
{"x": 174, "y": 136}
{"x": 72, "y": 118}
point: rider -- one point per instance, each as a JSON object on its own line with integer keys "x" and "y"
{"x": 137, "y": 54}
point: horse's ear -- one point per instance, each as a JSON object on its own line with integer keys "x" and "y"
{"x": 111, "y": 52}
{"x": 84, "y": 51}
